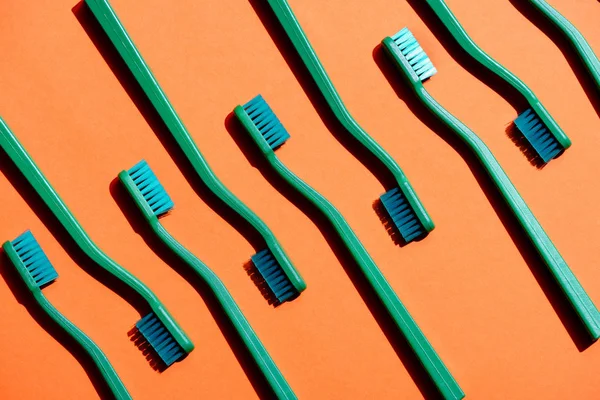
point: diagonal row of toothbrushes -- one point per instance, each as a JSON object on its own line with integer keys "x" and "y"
{"x": 159, "y": 333}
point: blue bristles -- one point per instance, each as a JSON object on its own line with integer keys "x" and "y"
{"x": 160, "y": 339}
{"x": 34, "y": 259}
{"x": 274, "y": 277}
{"x": 538, "y": 135}
{"x": 414, "y": 54}
{"x": 402, "y": 215}
{"x": 266, "y": 122}
{"x": 154, "y": 193}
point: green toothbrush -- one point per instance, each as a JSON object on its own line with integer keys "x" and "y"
{"x": 419, "y": 224}
{"x": 158, "y": 328}
{"x": 153, "y": 201}
{"x": 538, "y": 127}
{"x": 37, "y": 272}
{"x": 416, "y": 67}
{"x": 267, "y": 131}
{"x": 575, "y": 38}
{"x": 142, "y": 73}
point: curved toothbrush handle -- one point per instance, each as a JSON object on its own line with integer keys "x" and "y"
{"x": 104, "y": 366}
{"x": 430, "y": 360}
{"x": 59, "y": 209}
{"x": 583, "y": 49}
{"x": 46, "y": 192}
{"x": 443, "y": 12}
{"x": 255, "y": 347}
{"x": 294, "y": 31}
{"x": 574, "y": 292}
{"x": 109, "y": 21}
{"x": 445, "y": 15}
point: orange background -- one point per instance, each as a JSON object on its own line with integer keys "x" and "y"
{"x": 474, "y": 285}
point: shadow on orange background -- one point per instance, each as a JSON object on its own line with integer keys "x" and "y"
{"x": 474, "y": 284}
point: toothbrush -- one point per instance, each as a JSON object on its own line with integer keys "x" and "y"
{"x": 536, "y": 124}
{"x": 416, "y": 66}
{"x": 417, "y": 223}
{"x": 153, "y": 201}
{"x": 575, "y": 38}
{"x": 273, "y": 253}
{"x": 157, "y": 328}
{"x": 37, "y": 272}
{"x": 269, "y": 134}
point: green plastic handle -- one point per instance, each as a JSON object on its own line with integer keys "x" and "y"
{"x": 581, "y": 46}
{"x": 255, "y": 347}
{"x": 42, "y": 187}
{"x": 574, "y": 292}
{"x": 114, "y": 383}
{"x": 429, "y": 359}
{"x": 105, "y": 368}
{"x": 442, "y": 11}
{"x": 290, "y": 24}
{"x": 109, "y": 21}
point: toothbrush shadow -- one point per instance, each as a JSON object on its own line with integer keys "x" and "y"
{"x": 296, "y": 65}
{"x": 488, "y": 78}
{"x": 63, "y": 237}
{"x": 140, "y": 226}
{"x": 588, "y": 84}
{"x": 384, "y": 321}
{"x": 551, "y": 289}
{"x": 389, "y": 224}
{"x": 23, "y": 296}
{"x": 128, "y": 81}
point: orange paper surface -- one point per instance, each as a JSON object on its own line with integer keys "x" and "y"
{"x": 473, "y": 285}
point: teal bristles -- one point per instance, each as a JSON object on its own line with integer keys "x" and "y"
{"x": 160, "y": 339}
{"x": 275, "y": 278}
{"x": 34, "y": 259}
{"x": 149, "y": 186}
{"x": 543, "y": 142}
{"x": 266, "y": 122}
{"x": 272, "y": 133}
{"x": 402, "y": 215}
{"x": 396, "y": 202}
{"x": 150, "y": 327}
{"x": 414, "y": 54}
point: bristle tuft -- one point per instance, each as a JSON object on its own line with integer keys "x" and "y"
{"x": 149, "y": 186}
{"x": 34, "y": 259}
{"x": 159, "y": 339}
{"x": 266, "y": 122}
{"x": 414, "y": 54}
{"x": 538, "y": 135}
{"x": 402, "y": 215}
{"x": 274, "y": 276}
